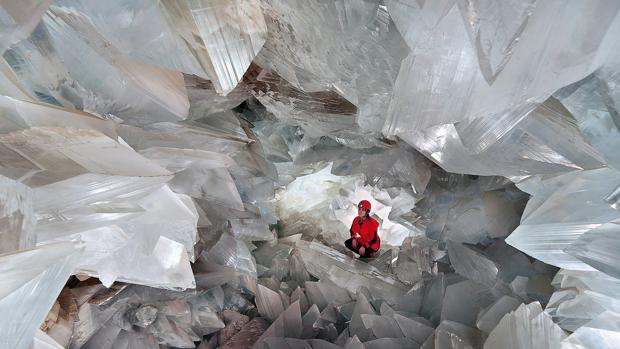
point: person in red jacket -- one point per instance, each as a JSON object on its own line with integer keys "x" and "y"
{"x": 364, "y": 239}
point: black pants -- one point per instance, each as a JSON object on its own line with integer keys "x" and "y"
{"x": 367, "y": 253}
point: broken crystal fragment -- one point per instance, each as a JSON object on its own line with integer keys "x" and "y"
{"x": 143, "y": 315}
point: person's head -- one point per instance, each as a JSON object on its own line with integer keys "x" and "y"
{"x": 363, "y": 208}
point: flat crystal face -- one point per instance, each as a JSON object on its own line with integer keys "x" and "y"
{"x": 188, "y": 173}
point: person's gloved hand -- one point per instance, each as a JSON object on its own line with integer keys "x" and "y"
{"x": 357, "y": 236}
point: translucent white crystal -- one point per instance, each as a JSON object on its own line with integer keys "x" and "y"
{"x": 526, "y": 327}
{"x": 10, "y": 86}
{"x": 269, "y": 303}
{"x": 472, "y": 264}
{"x": 452, "y": 77}
{"x": 132, "y": 90}
{"x": 453, "y": 335}
{"x": 347, "y": 272}
{"x": 234, "y": 253}
{"x": 479, "y": 131}
{"x": 461, "y": 123}
{"x": 602, "y": 332}
{"x": 415, "y": 19}
{"x": 582, "y": 296}
{"x": 413, "y": 329}
{"x": 17, "y": 219}
{"x": 190, "y": 135}
{"x": 43, "y": 341}
{"x": 310, "y": 322}
{"x": 148, "y": 240}
{"x": 19, "y": 114}
{"x": 593, "y": 102}
{"x": 229, "y": 33}
{"x": 365, "y": 45}
{"x": 599, "y": 248}
{"x": 139, "y": 29}
{"x": 124, "y": 205}
{"x": 533, "y": 154}
{"x": 382, "y": 326}
{"x": 17, "y": 20}
{"x": 557, "y": 216}
{"x": 32, "y": 279}
{"x": 288, "y": 324}
{"x": 490, "y": 317}
{"x": 322, "y": 344}
{"x": 496, "y": 32}
{"x": 462, "y": 302}
{"x": 317, "y": 113}
{"x": 357, "y": 326}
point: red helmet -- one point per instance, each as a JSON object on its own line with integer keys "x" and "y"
{"x": 365, "y": 204}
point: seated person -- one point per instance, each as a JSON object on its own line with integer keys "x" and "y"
{"x": 364, "y": 239}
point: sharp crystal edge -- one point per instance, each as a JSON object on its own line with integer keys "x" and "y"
{"x": 526, "y": 327}
{"x": 557, "y": 218}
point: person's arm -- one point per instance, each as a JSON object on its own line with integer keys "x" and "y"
{"x": 353, "y": 224}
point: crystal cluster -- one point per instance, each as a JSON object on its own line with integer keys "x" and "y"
{"x": 183, "y": 173}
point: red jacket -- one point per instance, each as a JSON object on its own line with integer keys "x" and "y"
{"x": 369, "y": 236}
